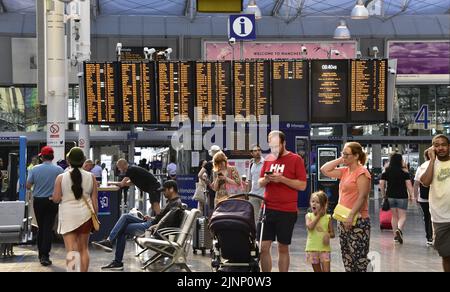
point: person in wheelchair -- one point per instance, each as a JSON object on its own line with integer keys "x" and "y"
{"x": 129, "y": 225}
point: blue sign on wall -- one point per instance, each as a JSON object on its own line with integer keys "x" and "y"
{"x": 104, "y": 207}
{"x": 186, "y": 189}
{"x": 242, "y": 27}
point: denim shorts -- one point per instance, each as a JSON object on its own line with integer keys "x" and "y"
{"x": 398, "y": 203}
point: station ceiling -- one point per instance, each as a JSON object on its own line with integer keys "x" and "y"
{"x": 288, "y": 9}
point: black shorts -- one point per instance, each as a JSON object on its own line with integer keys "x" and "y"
{"x": 279, "y": 226}
{"x": 155, "y": 196}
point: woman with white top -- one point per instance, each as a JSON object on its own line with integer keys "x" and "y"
{"x": 421, "y": 193}
{"x": 76, "y": 193}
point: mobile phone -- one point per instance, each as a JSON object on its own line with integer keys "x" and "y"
{"x": 269, "y": 172}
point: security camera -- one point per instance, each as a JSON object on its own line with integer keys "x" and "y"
{"x": 392, "y": 71}
{"x": 148, "y": 53}
{"x": 232, "y": 41}
{"x": 358, "y": 54}
{"x": 168, "y": 51}
{"x": 304, "y": 50}
{"x": 375, "y": 51}
{"x": 335, "y": 52}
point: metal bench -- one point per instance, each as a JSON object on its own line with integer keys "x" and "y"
{"x": 13, "y": 226}
{"x": 174, "y": 243}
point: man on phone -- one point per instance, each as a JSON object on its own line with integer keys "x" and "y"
{"x": 437, "y": 176}
{"x": 283, "y": 174}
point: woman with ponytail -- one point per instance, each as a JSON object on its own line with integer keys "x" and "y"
{"x": 354, "y": 189}
{"x": 76, "y": 193}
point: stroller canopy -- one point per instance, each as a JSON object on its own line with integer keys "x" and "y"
{"x": 234, "y": 214}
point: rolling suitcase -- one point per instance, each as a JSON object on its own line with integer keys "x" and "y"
{"x": 202, "y": 239}
{"x": 385, "y": 220}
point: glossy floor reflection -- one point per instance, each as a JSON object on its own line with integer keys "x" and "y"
{"x": 412, "y": 256}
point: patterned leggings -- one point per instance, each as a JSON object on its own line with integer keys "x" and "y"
{"x": 355, "y": 245}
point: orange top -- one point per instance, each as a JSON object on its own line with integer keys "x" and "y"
{"x": 348, "y": 189}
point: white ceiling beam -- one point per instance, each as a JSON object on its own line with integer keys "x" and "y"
{"x": 277, "y": 7}
{"x": 299, "y": 12}
{"x": 2, "y": 7}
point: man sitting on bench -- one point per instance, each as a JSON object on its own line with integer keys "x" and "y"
{"x": 129, "y": 225}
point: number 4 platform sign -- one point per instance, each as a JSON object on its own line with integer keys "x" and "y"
{"x": 422, "y": 117}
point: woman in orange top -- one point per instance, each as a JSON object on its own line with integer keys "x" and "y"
{"x": 354, "y": 190}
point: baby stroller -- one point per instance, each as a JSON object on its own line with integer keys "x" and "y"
{"x": 233, "y": 228}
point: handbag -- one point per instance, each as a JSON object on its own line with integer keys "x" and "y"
{"x": 385, "y": 206}
{"x": 199, "y": 194}
{"x": 341, "y": 213}
{"x": 95, "y": 221}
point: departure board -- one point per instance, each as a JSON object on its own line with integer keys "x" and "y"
{"x": 175, "y": 90}
{"x": 290, "y": 90}
{"x": 213, "y": 90}
{"x": 329, "y": 91}
{"x": 368, "y": 92}
{"x": 251, "y": 89}
{"x": 100, "y": 84}
{"x": 138, "y": 92}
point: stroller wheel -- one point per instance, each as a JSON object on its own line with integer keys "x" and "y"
{"x": 203, "y": 252}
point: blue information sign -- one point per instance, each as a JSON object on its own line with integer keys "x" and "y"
{"x": 242, "y": 27}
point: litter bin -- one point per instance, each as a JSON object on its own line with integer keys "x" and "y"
{"x": 108, "y": 211}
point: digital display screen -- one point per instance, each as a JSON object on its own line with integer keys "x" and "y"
{"x": 290, "y": 90}
{"x": 138, "y": 92}
{"x": 175, "y": 90}
{"x": 101, "y": 93}
{"x": 329, "y": 91}
{"x": 251, "y": 89}
{"x": 213, "y": 90}
{"x": 368, "y": 91}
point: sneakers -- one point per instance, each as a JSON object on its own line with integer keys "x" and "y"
{"x": 113, "y": 266}
{"x": 106, "y": 245}
{"x": 398, "y": 236}
{"x": 429, "y": 242}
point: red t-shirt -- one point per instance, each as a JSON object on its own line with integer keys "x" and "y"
{"x": 279, "y": 196}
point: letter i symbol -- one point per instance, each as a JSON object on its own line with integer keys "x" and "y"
{"x": 242, "y": 20}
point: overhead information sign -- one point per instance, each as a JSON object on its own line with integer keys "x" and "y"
{"x": 138, "y": 92}
{"x": 213, "y": 90}
{"x": 368, "y": 91}
{"x": 101, "y": 92}
{"x": 290, "y": 90}
{"x": 329, "y": 91}
{"x": 251, "y": 88}
{"x": 175, "y": 90}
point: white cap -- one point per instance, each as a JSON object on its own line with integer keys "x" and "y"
{"x": 213, "y": 150}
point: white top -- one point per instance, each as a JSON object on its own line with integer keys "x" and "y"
{"x": 440, "y": 193}
{"x": 253, "y": 175}
{"x": 421, "y": 170}
{"x": 72, "y": 212}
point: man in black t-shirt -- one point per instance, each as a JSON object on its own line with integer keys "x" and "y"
{"x": 142, "y": 179}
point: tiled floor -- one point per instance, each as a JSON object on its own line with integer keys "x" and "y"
{"x": 413, "y": 255}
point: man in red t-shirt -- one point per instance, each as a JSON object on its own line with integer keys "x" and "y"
{"x": 283, "y": 175}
